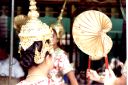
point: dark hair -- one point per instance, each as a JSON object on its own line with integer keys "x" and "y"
{"x": 117, "y": 69}
{"x": 27, "y": 56}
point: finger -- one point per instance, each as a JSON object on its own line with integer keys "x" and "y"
{"x": 109, "y": 73}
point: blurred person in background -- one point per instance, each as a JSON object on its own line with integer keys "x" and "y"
{"x": 17, "y": 72}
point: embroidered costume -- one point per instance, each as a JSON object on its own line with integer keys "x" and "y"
{"x": 61, "y": 67}
{"x": 43, "y": 81}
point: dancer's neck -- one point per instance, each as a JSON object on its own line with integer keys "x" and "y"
{"x": 36, "y": 73}
{"x": 55, "y": 47}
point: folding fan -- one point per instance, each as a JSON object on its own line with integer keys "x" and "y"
{"x": 89, "y": 33}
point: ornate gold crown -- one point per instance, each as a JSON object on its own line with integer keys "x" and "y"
{"x": 58, "y": 26}
{"x": 35, "y": 30}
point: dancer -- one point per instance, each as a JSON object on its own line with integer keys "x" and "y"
{"x": 61, "y": 64}
{"x": 35, "y": 49}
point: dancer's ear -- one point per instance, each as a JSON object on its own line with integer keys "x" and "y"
{"x": 49, "y": 60}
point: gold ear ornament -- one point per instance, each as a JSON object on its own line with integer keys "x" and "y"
{"x": 38, "y": 58}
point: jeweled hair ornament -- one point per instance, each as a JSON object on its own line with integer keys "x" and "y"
{"x": 35, "y": 30}
{"x": 58, "y": 26}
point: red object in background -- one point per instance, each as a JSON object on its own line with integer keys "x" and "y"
{"x": 89, "y": 66}
{"x": 106, "y": 61}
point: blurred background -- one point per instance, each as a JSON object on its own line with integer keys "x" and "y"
{"x": 49, "y": 11}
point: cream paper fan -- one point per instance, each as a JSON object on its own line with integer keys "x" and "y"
{"x": 89, "y": 33}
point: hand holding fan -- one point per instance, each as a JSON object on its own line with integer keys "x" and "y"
{"x": 90, "y": 35}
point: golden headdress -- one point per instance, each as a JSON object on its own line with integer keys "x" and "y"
{"x": 58, "y": 26}
{"x": 35, "y": 30}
